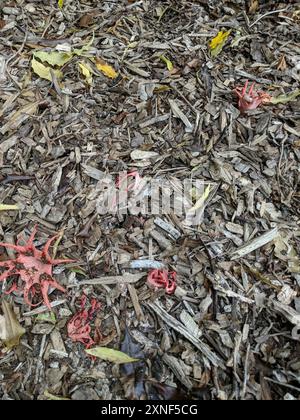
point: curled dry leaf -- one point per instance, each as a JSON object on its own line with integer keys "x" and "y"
{"x": 10, "y": 329}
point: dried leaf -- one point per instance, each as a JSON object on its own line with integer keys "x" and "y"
{"x": 7, "y": 207}
{"x": 44, "y": 72}
{"x": 10, "y": 328}
{"x": 282, "y": 66}
{"x": 218, "y": 42}
{"x": 111, "y": 355}
{"x": 284, "y": 99}
{"x": 86, "y": 72}
{"x": 106, "y": 69}
{"x": 54, "y": 58}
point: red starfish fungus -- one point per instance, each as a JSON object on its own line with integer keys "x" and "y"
{"x": 163, "y": 279}
{"x": 34, "y": 268}
{"x": 79, "y": 329}
{"x": 250, "y": 100}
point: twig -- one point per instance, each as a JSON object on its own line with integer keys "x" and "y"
{"x": 267, "y": 14}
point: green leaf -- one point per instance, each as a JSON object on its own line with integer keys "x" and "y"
{"x": 54, "y": 58}
{"x": 60, "y": 4}
{"x": 111, "y": 355}
{"x": 167, "y": 62}
{"x": 284, "y": 99}
{"x": 47, "y": 317}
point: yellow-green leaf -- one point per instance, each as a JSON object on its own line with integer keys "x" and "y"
{"x": 86, "y": 72}
{"x": 43, "y": 71}
{"x": 167, "y": 62}
{"x": 218, "y": 42}
{"x": 10, "y": 328}
{"x": 54, "y": 58}
{"x": 8, "y": 207}
{"x": 284, "y": 99}
{"x": 60, "y": 4}
{"x": 111, "y": 355}
{"x": 106, "y": 69}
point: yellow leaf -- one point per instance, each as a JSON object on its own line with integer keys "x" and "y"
{"x": 168, "y": 63}
{"x": 111, "y": 355}
{"x": 200, "y": 202}
{"x": 54, "y": 58}
{"x": 86, "y": 72}
{"x": 218, "y": 42}
{"x": 44, "y": 71}
{"x": 60, "y": 4}
{"x": 8, "y": 207}
{"x": 106, "y": 69}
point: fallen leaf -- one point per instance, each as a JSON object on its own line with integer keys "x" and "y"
{"x": 7, "y": 207}
{"x": 167, "y": 62}
{"x": 111, "y": 355}
{"x": 284, "y": 99}
{"x": 2, "y": 23}
{"x": 60, "y": 4}
{"x": 106, "y": 69}
{"x": 10, "y": 328}
{"x": 44, "y": 72}
{"x": 54, "y": 58}
{"x": 253, "y": 6}
{"x": 86, "y": 20}
{"x": 282, "y": 66}
{"x": 86, "y": 72}
{"x": 218, "y": 42}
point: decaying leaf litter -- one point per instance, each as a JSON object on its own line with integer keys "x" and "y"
{"x": 150, "y": 88}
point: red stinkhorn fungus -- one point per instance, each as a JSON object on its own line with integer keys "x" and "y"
{"x": 163, "y": 279}
{"x": 34, "y": 268}
{"x": 79, "y": 329}
{"x": 250, "y": 100}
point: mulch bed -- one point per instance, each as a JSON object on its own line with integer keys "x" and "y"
{"x": 231, "y": 330}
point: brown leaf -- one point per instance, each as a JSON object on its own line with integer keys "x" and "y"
{"x": 2, "y": 23}
{"x": 253, "y": 6}
{"x": 86, "y": 20}
{"x": 282, "y": 66}
{"x": 10, "y": 328}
